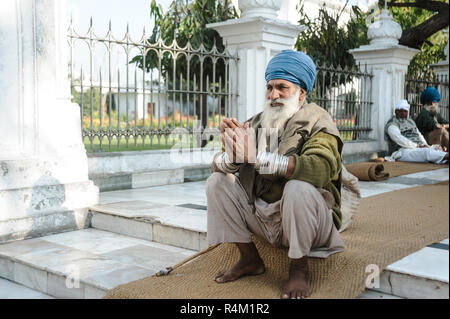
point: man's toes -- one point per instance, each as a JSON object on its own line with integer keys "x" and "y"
{"x": 220, "y": 274}
{"x": 225, "y": 277}
{"x": 222, "y": 279}
{"x": 285, "y": 295}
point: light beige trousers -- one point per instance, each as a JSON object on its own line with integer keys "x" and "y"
{"x": 300, "y": 220}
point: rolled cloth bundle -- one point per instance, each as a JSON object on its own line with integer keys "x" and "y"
{"x": 368, "y": 171}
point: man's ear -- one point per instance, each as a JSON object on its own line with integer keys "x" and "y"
{"x": 302, "y": 94}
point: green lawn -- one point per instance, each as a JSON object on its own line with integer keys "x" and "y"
{"x": 138, "y": 145}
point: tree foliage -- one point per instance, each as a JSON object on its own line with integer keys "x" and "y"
{"x": 431, "y": 46}
{"x": 420, "y": 19}
{"x": 326, "y": 41}
{"x": 186, "y": 22}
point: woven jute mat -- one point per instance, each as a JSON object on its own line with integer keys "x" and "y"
{"x": 387, "y": 228}
{"x": 371, "y": 171}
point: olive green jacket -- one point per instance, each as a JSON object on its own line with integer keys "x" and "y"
{"x": 426, "y": 123}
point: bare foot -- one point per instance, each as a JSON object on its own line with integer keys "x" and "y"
{"x": 297, "y": 287}
{"x": 249, "y": 264}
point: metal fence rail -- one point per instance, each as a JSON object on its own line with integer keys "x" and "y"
{"x": 140, "y": 105}
{"x": 415, "y": 85}
{"x": 346, "y": 95}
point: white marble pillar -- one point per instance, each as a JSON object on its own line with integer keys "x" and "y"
{"x": 44, "y": 185}
{"x": 389, "y": 63}
{"x": 256, "y": 37}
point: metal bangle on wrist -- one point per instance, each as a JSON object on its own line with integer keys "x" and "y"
{"x": 271, "y": 163}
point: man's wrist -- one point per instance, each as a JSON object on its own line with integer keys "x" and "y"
{"x": 291, "y": 166}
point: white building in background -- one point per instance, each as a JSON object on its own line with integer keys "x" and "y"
{"x": 150, "y": 101}
{"x": 289, "y": 11}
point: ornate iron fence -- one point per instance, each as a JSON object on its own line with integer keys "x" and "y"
{"x": 127, "y": 103}
{"x": 346, "y": 95}
{"x": 415, "y": 85}
{"x": 142, "y": 94}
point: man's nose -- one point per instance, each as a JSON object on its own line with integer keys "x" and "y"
{"x": 274, "y": 94}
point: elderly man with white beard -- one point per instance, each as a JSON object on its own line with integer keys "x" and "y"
{"x": 286, "y": 192}
{"x": 406, "y": 143}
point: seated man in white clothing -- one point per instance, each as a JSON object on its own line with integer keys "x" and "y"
{"x": 406, "y": 143}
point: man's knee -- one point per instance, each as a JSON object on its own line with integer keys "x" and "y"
{"x": 301, "y": 199}
{"x": 213, "y": 181}
{"x": 299, "y": 190}
{"x": 217, "y": 182}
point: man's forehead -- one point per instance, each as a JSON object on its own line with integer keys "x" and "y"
{"x": 280, "y": 81}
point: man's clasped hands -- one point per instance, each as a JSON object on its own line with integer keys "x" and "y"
{"x": 239, "y": 140}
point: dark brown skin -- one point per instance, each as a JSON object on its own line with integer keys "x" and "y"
{"x": 402, "y": 114}
{"x": 250, "y": 262}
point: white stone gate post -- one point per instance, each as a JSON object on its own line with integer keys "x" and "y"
{"x": 44, "y": 185}
{"x": 389, "y": 63}
{"x": 256, "y": 37}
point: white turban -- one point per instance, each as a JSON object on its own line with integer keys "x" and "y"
{"x": 402, "y": 105}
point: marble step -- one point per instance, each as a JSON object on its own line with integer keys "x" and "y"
{"x": 421, "y": 275}
{"x": 181, "y": 225}
{"x": 87, "y": 263}
{"x": 130, "y": 180}
{"x": 45, "y": 209}
{"x": 12, "y": 290}
{"x": 192, "y": 196}
{"x": 84, "y": 263}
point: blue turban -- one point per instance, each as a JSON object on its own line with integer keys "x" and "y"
{"x": 293, "y": 66}
{"x": 431, "y": 94}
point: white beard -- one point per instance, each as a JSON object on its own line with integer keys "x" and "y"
{"x": 433, "y": 109}
{"x": 276, "y": 116}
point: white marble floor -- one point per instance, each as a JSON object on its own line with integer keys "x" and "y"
{"x": 106, "y": 259}
{"x": 194, "y": 192}
{"x": 401, "y": 182}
